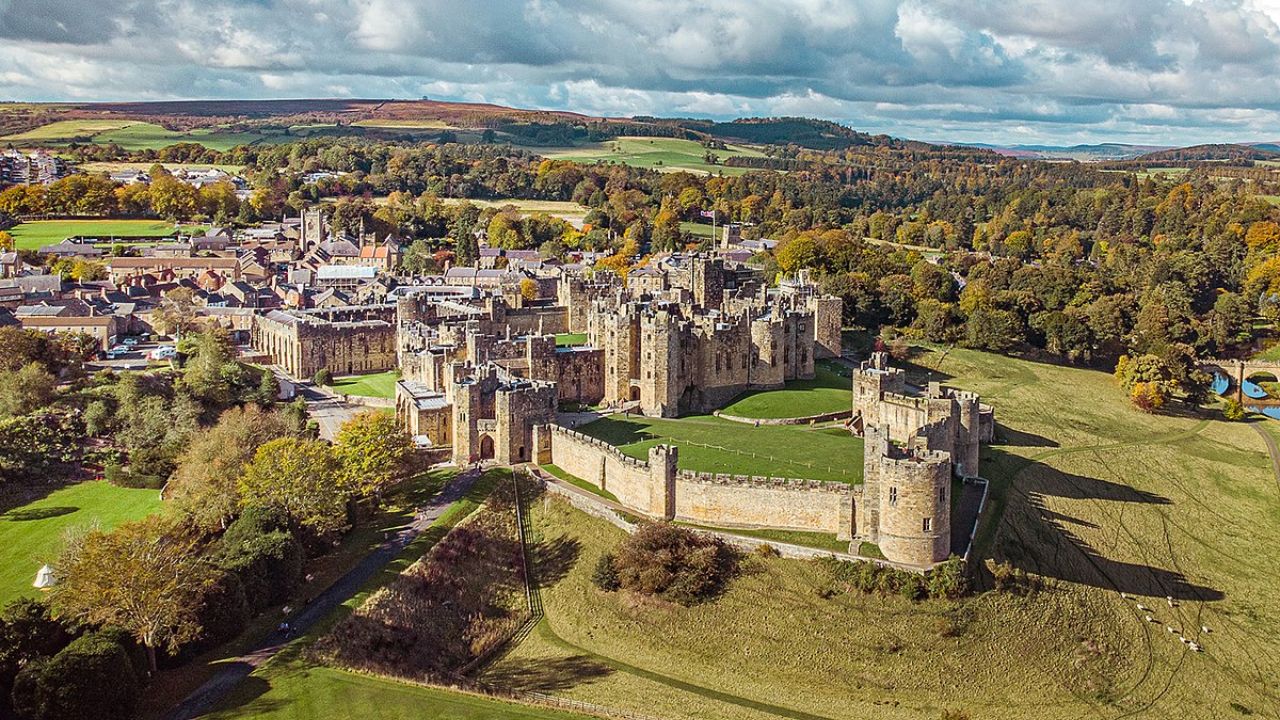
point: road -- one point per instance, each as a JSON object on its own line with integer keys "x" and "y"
{"x": 235, "y": 670}
{"x": 331, "y": 411}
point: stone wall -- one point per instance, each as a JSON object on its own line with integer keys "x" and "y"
{"x": 659, "y": 489}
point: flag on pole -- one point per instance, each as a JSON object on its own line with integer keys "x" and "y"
{"x": 709, "y": 213}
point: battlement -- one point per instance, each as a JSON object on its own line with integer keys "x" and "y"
{"x": 758, "y": 481}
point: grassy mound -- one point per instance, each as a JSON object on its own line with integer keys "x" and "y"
{"x": 829, "y": 391}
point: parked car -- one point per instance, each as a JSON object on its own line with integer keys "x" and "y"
{"x": 164, "y": 352}
{"x": 130, "y": 341}
{"x": 117, "y": 351}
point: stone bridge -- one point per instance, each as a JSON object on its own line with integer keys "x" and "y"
{"x": 1235, "y": 372}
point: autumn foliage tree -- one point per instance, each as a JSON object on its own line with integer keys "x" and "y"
{"x": 371, "y": 450}
{"x": 145, "y": 577}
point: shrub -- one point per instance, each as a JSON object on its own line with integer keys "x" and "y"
{"x": 944, "y": 582}
{"x": 124, "y": 477}
{"x": 1233, "y": 410}
{"x": 28, "y": 633}
{"x": 675, "y": 564}
{"x": 224, "y": 611}
{"x": 323, "y": 377}
{"x": 605, "y": 575}
{"x": 93, "y": 677}
{"x": 766, "y": 551}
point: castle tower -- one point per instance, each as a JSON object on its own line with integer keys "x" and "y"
{"x": 915, "y": 507}
{"x": 707, "y": 280}
{"x": 663, "y": 461}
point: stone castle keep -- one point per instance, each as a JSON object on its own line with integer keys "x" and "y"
{"x": 482, "y": 379}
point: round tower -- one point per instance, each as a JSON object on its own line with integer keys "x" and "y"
{"x": 915, "y": 508}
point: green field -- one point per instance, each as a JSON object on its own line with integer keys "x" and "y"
{"x": 657, "y": 153}
{"x": 381, "y": 385}
{"x": 571, "y": 339}
{"x": 36, "y": 234}
{"x": 110, "y": 167}
{"x": 1091, "y": 494}
{"x": 405, "y": 124}
{"x": 32, "y": 535}
{"x": 131, "y": 135}
{"x": 829, "y": 391}
{"x": 710, "y": 444}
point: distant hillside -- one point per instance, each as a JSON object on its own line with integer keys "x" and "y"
{"x": 1197, "y": 153}
{"x": 805, "y": 132}
{"x": 1086, "y": 153}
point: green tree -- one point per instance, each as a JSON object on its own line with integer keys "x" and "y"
{"x": 145, "y": 577}
{"x": 93, "y": 677}
{"x": 371, "y": 450}
{"x": 177, "y": 312}
{"x": 206, "y": 482}
{"x": 298, "y": 477}
{"x": 29, "y": 388}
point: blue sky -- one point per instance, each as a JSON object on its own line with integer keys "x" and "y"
{"x": 1000, "y": 71}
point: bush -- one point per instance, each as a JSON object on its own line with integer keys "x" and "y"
{"x": 605, "y": 575}
{"x": 120, "y": 476}
{"x": 93, "y": 677}
{"x": 675, "y": 564}
{"x": 224, "y": 612}
{"x": 28, "y": 634}
{"x": 323, "y": 377}
{"x": 1233, "y": 410}
{"x": 944, "y": 582}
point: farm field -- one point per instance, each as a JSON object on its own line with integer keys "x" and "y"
{"x": 655, "y": 153}
{"x": 131, "y": 135}
{"x": 36, "y": 234}
{"x": 1095, "y": 496}
{"x": 829, "y": 391}
{"x": 405, "y": 124}
{"x": 32, "y": 535}
{"x": 710, "y": 444}
{"x": 110, "y": 167}
{"x": 381, "y": 385}
{"x": 570, "y": 212}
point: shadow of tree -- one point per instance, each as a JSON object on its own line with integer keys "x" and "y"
{"x": 547, "y": 675}
{"x": 1038, "y": 539}
{"x": 553, "y": 559}
{"x": 41, "y": 513}
{"x": 1017, "y": 438}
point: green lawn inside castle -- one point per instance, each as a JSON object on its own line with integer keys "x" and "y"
{"x": 715, "y": 445}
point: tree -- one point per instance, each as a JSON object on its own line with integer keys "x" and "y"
{"x": 145, "y": 577}
{"x": 27, "y": 389}
{"x": 323, "y": 377}
{"x": 268, "y": 389}
{"x": 371, "y": 450}
{"x": 176, "y": 313}
{"x": 211, "y": 371}
{"x": 6, "y": 241}
{"x": 529, "y": 289}
{"x": 299, "y": 477}
{"x": 205, "y": 484}
{"x": 419, "y": 259}
{"x": 28, "y": 633}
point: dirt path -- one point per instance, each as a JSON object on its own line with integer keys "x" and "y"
{"x": 207, "y": 696}
{"x": 1272, "y": 449}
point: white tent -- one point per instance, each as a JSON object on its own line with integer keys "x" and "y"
{"x": 44, "y": 578}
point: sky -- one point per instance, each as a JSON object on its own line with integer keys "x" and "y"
{"x": 1165, "y": 72}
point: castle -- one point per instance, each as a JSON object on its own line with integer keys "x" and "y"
{"x": 483, "y": 379}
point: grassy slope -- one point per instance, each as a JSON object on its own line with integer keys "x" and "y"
{"x": 782, "y": 451}
{"x": 381, "y": 385}
{"x": 131, "y": 135}
{"x": 32, "y": 535}
{"x": 289, "y": 687}
{"x": 659, "y": 153}
{"x": 1097, "y": 496}
{"x": 68, "y": 130}
{"x": 829, "y": 391}
{"x": 36, "y": 234}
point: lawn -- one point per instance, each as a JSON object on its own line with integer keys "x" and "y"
{"x": 571, "y": 339}
{"x": 829, "y": 391}
{"x": 710, "y": 444}
{"x": 382, "y": 385}
{"x": 32, "y": 535}
{"x": 653, "y": 152}
{"x": 36, "y": 234}
{"x": 1093, "y": 495}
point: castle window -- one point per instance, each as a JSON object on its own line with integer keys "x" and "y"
{"x": 927, "y": 525}
{"x": 893, "y": 496}
{"x": 942, "y": 494}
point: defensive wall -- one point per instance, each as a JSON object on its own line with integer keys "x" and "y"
{"x": 659, "y": 489}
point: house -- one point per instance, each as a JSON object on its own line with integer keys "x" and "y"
{"x": 73, "y": 247}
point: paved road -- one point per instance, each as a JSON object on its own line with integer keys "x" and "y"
{"x": 331, "y": 411}
{"x": 206, "y": 697}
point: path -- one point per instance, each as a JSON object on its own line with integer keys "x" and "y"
{"x": 1272, "y": 449}
{"x": 207, "y": 696}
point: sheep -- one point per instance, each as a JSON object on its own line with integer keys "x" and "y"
{"x": 1195, "y": 647}
{"x": 1169, "y": 599}
{"x": 1124, "y": 595}
{"x": 1170, "y": 629}
{"x": 1182, "y": 639}
{"x": 1205, "y": 629}
{"x": 1143, "y": 608}
{"x": 1150, "y": 619}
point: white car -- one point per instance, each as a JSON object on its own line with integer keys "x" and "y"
{"x": 164, "y": 352}
{"x": 129, "y": 341}
{"x": 117, "y": 351}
